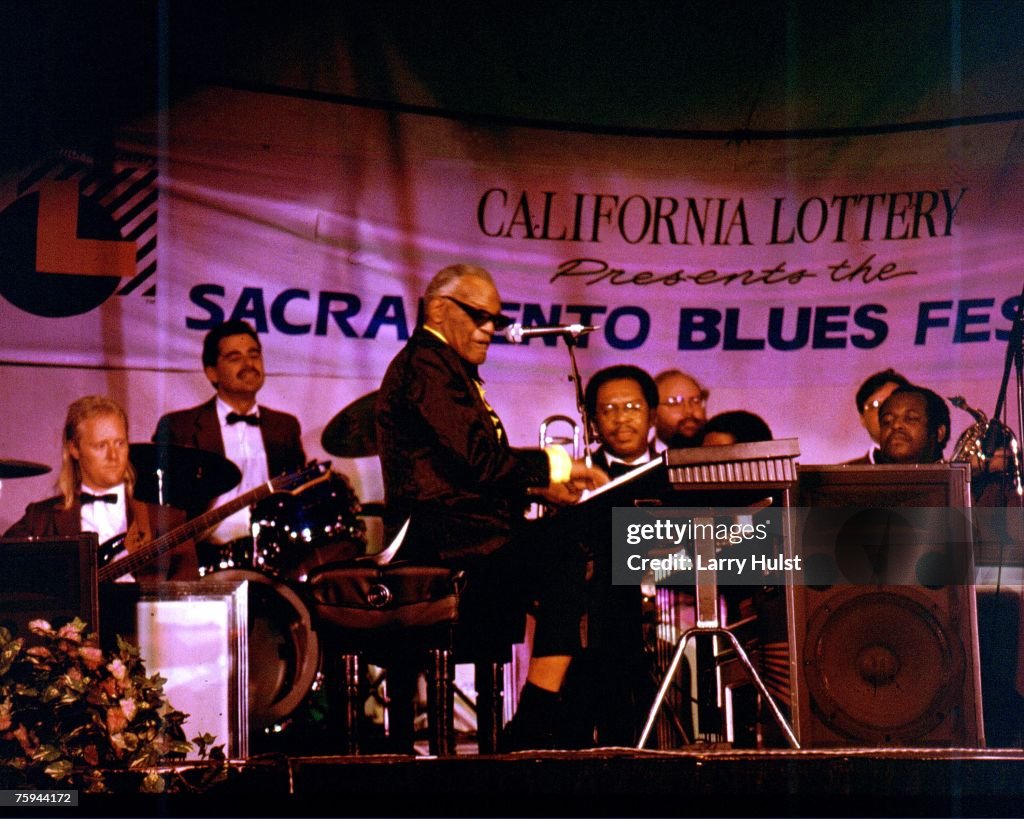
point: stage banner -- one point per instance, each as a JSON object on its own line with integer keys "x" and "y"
{"x": 754, "y": 263}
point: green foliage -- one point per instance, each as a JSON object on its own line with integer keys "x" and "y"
{"x": 70, "y": 716}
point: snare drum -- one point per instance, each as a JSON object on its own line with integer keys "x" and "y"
{"x": 295, "y": 532}
{"x": 284, "y": 650}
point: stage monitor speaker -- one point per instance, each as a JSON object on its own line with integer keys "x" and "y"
{"x": 52, "y": 579}
{"x": 888, "y": 664}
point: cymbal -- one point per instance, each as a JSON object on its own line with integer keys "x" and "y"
{"x": 352, "y": 433}
{"x": 191, "y": 477}
{"x": 21, "y": 469}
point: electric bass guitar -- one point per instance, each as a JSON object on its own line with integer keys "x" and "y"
{"x": 146, "y": 552}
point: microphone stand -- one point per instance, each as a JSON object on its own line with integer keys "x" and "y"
{"x": 571, "y": 341}
{"x": 1014, "y": 357}
{"x": 992, "y": 440}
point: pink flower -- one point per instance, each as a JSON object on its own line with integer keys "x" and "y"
{"x": 70, "y": 633}
{"x": 39, "y": 653}
{"x": 40, "y": 627}
{"x": 116, "y": 720}
{"x": 117, "y": 669}
{"x": 91, "y": 657}
{"x": 128, "y": 707}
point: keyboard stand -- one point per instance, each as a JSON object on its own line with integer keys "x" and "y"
{"x": 764, "y": 466}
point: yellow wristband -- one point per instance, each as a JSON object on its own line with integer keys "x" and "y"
{"x": 560, "y": 464}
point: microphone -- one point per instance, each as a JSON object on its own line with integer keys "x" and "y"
{"x": 517, "y": 334}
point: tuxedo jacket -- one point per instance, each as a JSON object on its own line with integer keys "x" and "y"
{"x": 48, "y": 518}
{"x": 445, "y": 464}
{"x": 199, "y": 427}
{"x": 615, "y": 610}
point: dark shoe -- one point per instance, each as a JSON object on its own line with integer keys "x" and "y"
{"x": 520, "y": 735}
{"x": 534, "y": 725}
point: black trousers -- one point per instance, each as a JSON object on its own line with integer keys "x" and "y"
{"x": 537, "y": 570}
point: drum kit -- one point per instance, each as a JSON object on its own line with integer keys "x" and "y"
{"x": 293, "y": 533}
{"x": 310, "y": 518}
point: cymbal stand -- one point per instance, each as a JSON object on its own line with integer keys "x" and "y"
{"x": 709, "y": 622}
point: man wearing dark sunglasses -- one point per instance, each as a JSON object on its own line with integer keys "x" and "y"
{"x": 448, "y": 466}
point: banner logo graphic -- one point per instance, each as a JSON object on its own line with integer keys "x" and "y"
{"x": 73, "y": 238}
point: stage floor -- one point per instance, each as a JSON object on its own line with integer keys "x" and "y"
{"x": 609, "y": 782}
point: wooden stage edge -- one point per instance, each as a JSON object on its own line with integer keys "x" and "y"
{"x": 608, "y": 782}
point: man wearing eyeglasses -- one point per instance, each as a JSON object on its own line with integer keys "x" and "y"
{"x": 870, "y": 397}
{"x": 682, "y": 410}
{"x": 611, "y": 687}
{"x": 621, "y": 403}
{"x": 449, "y": 467}
{"x": 263, "y": 443}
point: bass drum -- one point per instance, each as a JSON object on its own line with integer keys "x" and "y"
{"x": 284, "y": 651}
{"x": 296, "y": 532}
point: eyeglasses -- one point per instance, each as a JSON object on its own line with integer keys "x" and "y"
{"x": 872, "y": 405}
{"x": 481, "y": 317}
{"x": 686, "y": 401}
{"x": 629, "y": 408}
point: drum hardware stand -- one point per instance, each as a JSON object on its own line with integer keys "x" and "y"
{"x": 709, "y": 622}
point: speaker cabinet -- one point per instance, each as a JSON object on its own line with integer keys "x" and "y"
{"x": 49, "y": 578}
{"x": 887, "y": 663}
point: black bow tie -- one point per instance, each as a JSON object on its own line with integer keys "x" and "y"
{"x": 616, "y": 469}
{"x": 251, "y": 420}
{"x": 88, "y": 497}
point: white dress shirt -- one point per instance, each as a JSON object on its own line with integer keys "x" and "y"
{"x": 243, "y": 446}
{"x": 106, "y": 519}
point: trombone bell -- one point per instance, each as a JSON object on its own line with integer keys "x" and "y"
{"x": 570, "y": 436}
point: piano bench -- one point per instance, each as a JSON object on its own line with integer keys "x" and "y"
{"x": 397, "y": 616}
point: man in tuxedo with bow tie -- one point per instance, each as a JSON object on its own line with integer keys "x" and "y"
{"x": 95, "y": 484}
{"x": 263, "y": 443}
{"x": 622, "y": 402}
{"x": 95, "y": 476}
{"x": 610, "y": 686}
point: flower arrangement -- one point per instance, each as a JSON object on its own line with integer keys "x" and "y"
{"x": 70, "y": 715}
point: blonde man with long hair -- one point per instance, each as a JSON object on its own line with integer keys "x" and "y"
{"x": 69, "y": 480}
{"x": 95, "y": 484}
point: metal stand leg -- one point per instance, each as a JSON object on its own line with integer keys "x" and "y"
{"x": 708, "y": 622}
{"x": 342, "y": 677}
{"x": 652, "y": 715}
{"x": 441, "y": 702}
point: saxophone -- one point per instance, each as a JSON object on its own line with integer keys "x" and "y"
{"x": 970, "y": 445}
